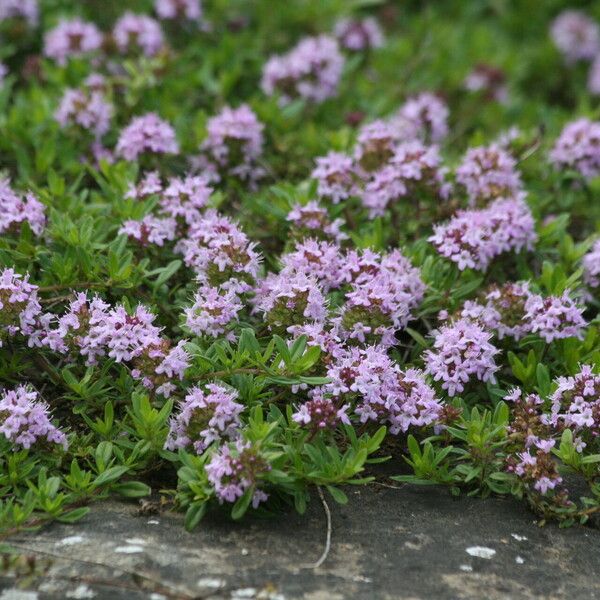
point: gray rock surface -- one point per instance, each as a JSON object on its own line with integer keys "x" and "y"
{"x": 404, "y": 543}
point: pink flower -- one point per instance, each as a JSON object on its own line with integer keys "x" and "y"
{"x": 71, "y": 38}
{"x": 148, "y": 133}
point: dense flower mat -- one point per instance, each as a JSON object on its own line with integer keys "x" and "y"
{"x": 245, "y": 252}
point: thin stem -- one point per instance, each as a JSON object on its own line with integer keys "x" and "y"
{"x": 323, "y": 556}
{"x": 69, "y": 286}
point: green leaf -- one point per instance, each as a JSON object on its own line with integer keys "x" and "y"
{"x": 194, "y": 515}
{"x": 74, "y": 515}
{"x": 132, "y": 489}
{"x": 337, "y": 494}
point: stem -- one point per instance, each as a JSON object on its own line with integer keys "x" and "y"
{"x": 325, "y": 553}
{"x": 69, "y": 286}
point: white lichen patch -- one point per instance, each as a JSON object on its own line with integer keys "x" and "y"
{"x": 14, "y": 594}
{"x": 80, "y": 592}
{"x": 481, "y": 552}
{"x": 70, "y": 541}
{"x": 212, "y": 583}
{"x": 519, "y": 538}
{"x": 129, "y": 549}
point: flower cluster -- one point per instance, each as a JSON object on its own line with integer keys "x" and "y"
{"x": 148, "y": 133}
{"x": 25, "y": 420}
{"x": 138, "y": 34}
{"x": 234, "y": 469}
{"x": 575, "y": 35}
{"x": 178, "y": 9}
{"x": 16, "y": 209}
{"x": 591, "y": 266}
{"x": 213, "y": 312}
{"x": 472, "y": 238}
{"x": 489, "y": 81}
{"x": 488, "y": 173}
{"x": 220, "y": 253}
{"x": 502, "y": 310}
{"x": 321, "y": 413}
{"x": 312, "y": 220}
{"x": 205, "y": 416}
{"x": 27, "y": 10}
{"x": 150, "y": 230}
{"x": 578, "y": 148}
{"x": 233, "y": 145}
{"x": 380, "y": 391}
{"x": 336, "y": 177}
{"x": 424, "y": 117}
{"x": 92, "y": 329}
{"x": 356, "y": 35}
{"x": 462, "y": 351}
{"x": 413, "y": 169}
{"x": 321, "y": 261}
{"x": 576, "y": 405}
{"x": 72, "y": 38}
{"x": 183, "y": 199}
{"x": 554, "y": 317}
{"x": 85, "y": 109}
{"x": 312, "y": 70}
{"x": 288, "y": 300}
{"x": 19, "y": 305}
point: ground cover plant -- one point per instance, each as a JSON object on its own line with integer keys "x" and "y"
{"x": 247, "y": 253}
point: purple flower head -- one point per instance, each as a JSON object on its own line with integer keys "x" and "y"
{"x": 233, "y": 144}
{"x": 336, "y": 177}
{"x": 190, "y": 10}
{"x": 591, "y": 266}
{"x": 125, "y": 336}
{"x": 488, "y": 173}
{"x": 312, "y": 70}
{"x": 381, "y": 391}
{"x": 473, "y": 238}
{"x": 321, "y": 413}
{"x": 502, "y": 310}
{"x": 25, "y": 420}
{"x": 593, "y": 82}
{"x": 27, "y": 10}
{"x": 413, "y": 169}
{"x": 19, "y": 306}
{"x": 185, "y": 198}
{"x": 148, "y": 133}
{"x": 16, "y": 209}
{"x": 220, "y": 253}
{"x": 462, "y": 352}
{"x": 159, "y": 364}
{"x": 488, "y": 80}
{"x": 374, "y": 309}
{"x": 138, "y": 33}
{"x": 578, "y": 148}
{"x": 554, "y": 317}
{"x": 84, "y": 109}
{"x": 290, "y": 299}
{"x": 312, "y": 220}
{"x": 71, "y": 38}
{"x": 205, "y": 416}
{"x": 576, "y": 404}
{"x": 236, "y": 468}
{"x": 356, "y": 35}
{"x": 149, "y": 184}
{"x": 213, "y": 312}
{"x": 321, "y": 261}
{"x": 423, "y": 117}
{"x": 81, "y": 329}
{"x": 537, "y": 470}
{"x": 150, "y": 230}
{"x": 575, "y": 35}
